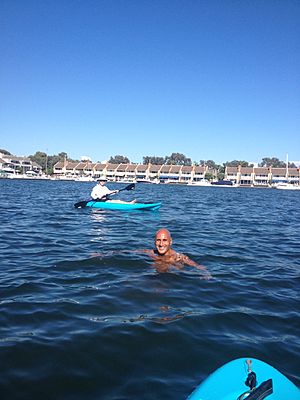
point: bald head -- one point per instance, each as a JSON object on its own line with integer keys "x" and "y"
{"x": 163, "y": 241}
{"x": 163, "y": 231}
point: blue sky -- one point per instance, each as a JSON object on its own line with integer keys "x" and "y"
{"x": 212, "y": 79}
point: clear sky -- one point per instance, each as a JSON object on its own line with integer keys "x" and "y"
{"x": 212, "y": 79}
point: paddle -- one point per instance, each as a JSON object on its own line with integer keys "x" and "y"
{"x": 82, "y": 204}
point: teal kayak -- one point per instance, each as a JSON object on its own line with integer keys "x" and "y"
{"x": 116, "y": 205}
{"x": 229, "y": 383}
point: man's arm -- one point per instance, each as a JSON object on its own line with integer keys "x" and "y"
{"x": 186, "y": 260}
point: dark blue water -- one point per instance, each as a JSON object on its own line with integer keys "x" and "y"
{"x": 77, "y": 327}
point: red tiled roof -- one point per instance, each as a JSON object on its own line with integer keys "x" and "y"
{"x": 71, "y": 165}
{"x": 246, "y": 170}
{"x": 187, "y": 168}
{"x": 59, "y": 164}
{"x": 165, "y": 168}
{"x": 232, "y": 169}
{"x": 279, "y": 171}
{"x": 155, "y": 168}
{"x": 175, "y": 168}
{"x": 131, "y": 167}
{"x": 121, "y": 167}
{"x": 142, "y": 167}
{"x": 199, "y": 169}
{"x": 100, "y": 167}
{"x": 261, "y": 170}
{"x": 112, "y": 166}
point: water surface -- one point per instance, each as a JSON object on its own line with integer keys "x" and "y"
{"x": 75, "y": 326}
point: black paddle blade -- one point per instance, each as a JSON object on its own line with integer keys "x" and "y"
{"x": 130, "y": 187}
{"x": 80, "y": 204}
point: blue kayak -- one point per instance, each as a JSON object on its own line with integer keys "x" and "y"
{"x": 229, "y": 383}
{"x": 116, "y": 205}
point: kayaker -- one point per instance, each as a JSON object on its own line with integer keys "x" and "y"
{"x": 100, "y": 191}
{"x": 164, "y": 256}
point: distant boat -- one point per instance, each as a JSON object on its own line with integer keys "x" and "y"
{"x": 144, "y": 180}
{"x": 224, "y": 183}
{"x": 202, "y": 182}
{"x": 85, "y": 179}
{"x": 287, "y": 186}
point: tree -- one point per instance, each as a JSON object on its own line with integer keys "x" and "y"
{"x": 47, "y": 162}
{"x": 7, "y": 153}
{"x": 153, "y": 160}
{"x": 272, "y": 162}
{"x": 220, "y": 176}
{"x": 209, "y": 163}
{"x": 236, "y": 163}
{"x": 118, "y": 159}
{"x": 209, "y": 176}
{"x": 178, "y": 159}
{"x": 40, "y": 158}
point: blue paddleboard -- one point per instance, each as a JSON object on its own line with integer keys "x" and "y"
{"x": 228, "y": 383}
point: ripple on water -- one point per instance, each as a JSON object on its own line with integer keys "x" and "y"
{"x": 111, "y": 327}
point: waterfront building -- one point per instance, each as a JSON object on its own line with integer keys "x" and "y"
{"x": 99, "y": 170}
{"x": 246, "y": 176}
{"x": 293, "y": 175}
{"x": 262, "y": 176}
{"x": 70, "y": 168}
{"x": 232, "y": 174}
{"x": 186, "y": 173}
{"x": 79, "y": 169}
{"x": 240, "y": 176}
{"x": 120, "y": 172}
{"x": 2, "y": 162}
{"x": 279, "y": 175}
{"x": 130, "y": 172}
{"x": 170, "y": 173}
{"x": 153, "y": 171}
{"x": 175, "y": 173}
{"x": 110, "y": 172}
{"x": 18, "y": 165}
{"x": 142, "y": 171}
{"x": 198, "y": 173}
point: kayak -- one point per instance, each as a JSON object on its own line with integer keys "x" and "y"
{"x": 231, "y": 381}
{"x": 116, "y": 205}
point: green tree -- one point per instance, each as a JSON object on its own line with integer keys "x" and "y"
{"x": 272, "y": 162}
{"x": 220, "y": 175}
{"x": 153, "y": 160}
{"x": 236, "y": 163}
{"x": 178, "y": 159}
{"x": 7, "y": 153}
{"x": 47, "y": 162}
{"x": 118, "y": 159}
{"x": 209, "y": 163}
{"x": 209, "y": 176}
{"x": 40, "y": 158}
{"x": 214, "y": 170}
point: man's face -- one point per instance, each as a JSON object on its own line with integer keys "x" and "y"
{"x": 163, "y": 242}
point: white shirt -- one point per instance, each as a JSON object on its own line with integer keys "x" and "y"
{"x": 100, "y": 191}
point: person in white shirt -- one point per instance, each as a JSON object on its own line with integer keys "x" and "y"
{"x": 100, "y": 191}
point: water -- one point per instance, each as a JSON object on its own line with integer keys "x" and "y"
{"x": 73, "y": 326}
